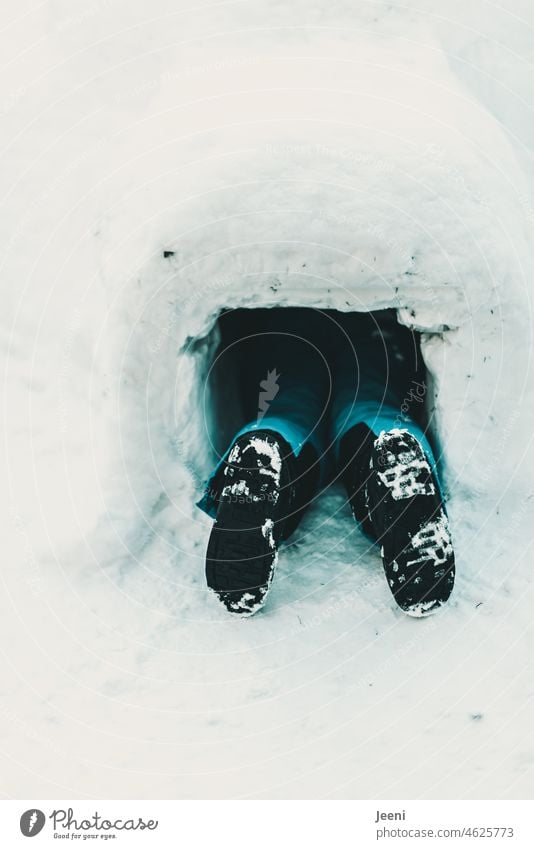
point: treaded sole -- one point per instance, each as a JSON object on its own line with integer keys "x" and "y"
{"x": 417, "y": 552}
{"x": 242, "y": 549}
{"x": 241, "y": 559}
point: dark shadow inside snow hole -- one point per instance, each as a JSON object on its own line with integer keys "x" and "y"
{"x": 256, "y": 349}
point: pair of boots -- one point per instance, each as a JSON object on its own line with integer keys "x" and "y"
{"x": 262, "y": 490}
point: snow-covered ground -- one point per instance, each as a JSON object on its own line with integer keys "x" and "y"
{"x": 353, "y": 155}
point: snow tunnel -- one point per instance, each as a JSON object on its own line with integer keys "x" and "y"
{"x": 218, "y": 373}
{"x": 374, "y": 204}
{"x": 262, "y": 351}
{"x": 345, "y": 223}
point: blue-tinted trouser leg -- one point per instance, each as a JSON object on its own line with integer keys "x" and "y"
{"x": 377, "y": 379}
{"x": 285, "y": 383}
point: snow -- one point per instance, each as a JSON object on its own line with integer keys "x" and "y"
{"x": 267, "y": 531}
{"x": 343, "y": 155}
{"x": 418, "y": 611}
{"x": 270, "y": 450}
{"x": 238, "y": 488}
{"x": 432, "y": 538}
{"x": 407, "y": 474}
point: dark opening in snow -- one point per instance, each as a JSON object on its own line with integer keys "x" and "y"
{"x": 259, "y": 349}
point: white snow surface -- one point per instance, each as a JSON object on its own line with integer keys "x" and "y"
{"x": 267, "y": 531}
{"x": 351, "y": 155}
{"x": 402, "y": 475}
{"x": 269, "y": 450}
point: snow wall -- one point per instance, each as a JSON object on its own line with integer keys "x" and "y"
{"x": 366, "y": 179}
{"x": 287, "y": 153}
{"x": 370, "y": 182}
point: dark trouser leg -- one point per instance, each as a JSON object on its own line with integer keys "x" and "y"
{"x": 284, "y": 379}
{"x": 387, "y": 463}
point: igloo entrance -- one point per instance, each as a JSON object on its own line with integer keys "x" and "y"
{"x": 253, "y": 353}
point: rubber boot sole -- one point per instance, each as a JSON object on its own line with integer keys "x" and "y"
{"x": 241, "y": 556}
{"x": 410, "y": 522}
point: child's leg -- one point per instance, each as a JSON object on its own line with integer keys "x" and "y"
{"x": 378, "y": 378}
{"x": 387, "y": 463}
{"x": 285, "y": 387}
{"x": 272, "y": 469}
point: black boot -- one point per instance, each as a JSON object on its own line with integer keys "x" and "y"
{"x": 406, "y": 515}
{"x": 258, "y": 507}
{"x": 355, "y": 470}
